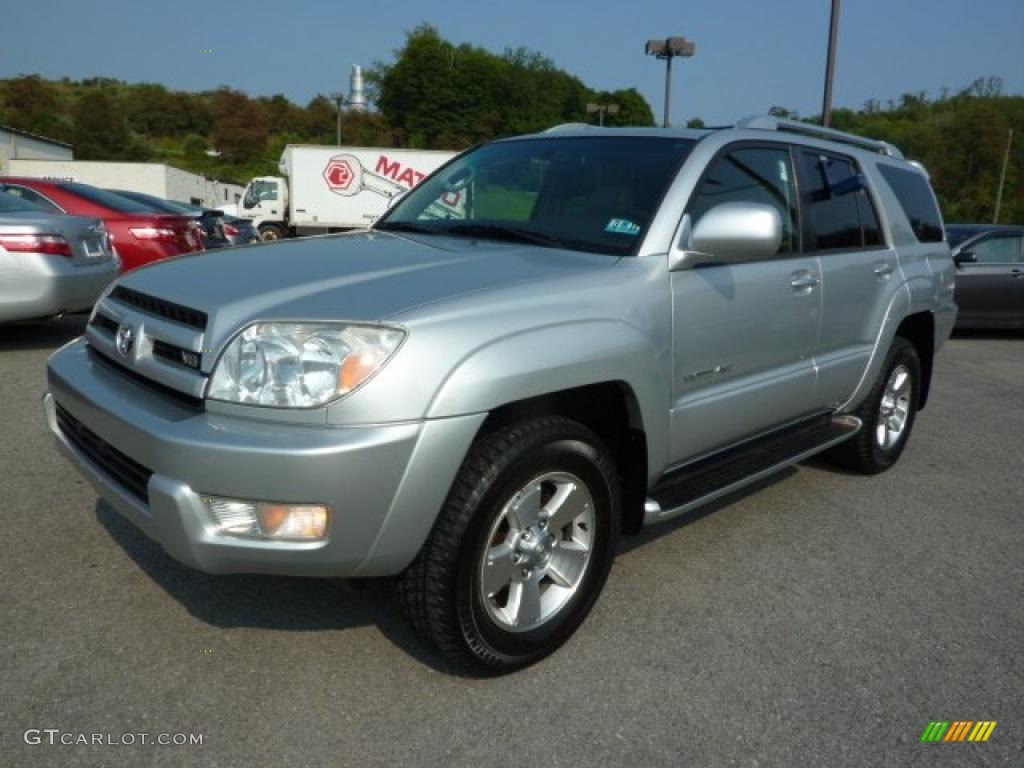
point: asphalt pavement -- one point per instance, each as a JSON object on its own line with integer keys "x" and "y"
{"x": 821, "y": 619}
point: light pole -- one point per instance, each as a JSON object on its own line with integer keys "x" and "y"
{"x": 611, "y": 109}
{"x": 668, "y": 49}
{"x": 830, "y": 66}
{"x": 339, "y": 100}
{"x": 1002, "y": 176}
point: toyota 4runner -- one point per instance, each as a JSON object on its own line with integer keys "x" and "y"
{"x": 552, "y": 341}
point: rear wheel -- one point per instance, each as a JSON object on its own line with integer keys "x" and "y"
{"x": 887, "y": 414}
{"x": 272, "y": 232}
{"x": 521, "y": 549}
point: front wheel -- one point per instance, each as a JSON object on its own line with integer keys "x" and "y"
{"x": 887, "y": 413}
{"x": 270, "y": 232}
{"x": 521, "y": 549}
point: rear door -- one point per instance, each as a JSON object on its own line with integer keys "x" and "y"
{"x": 990, "y": 291}
{"x": 744, "y": 333}
{"x": 859, "y": 272}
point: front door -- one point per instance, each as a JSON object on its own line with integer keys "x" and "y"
{"x": 744, "y": 333}
{"x": 990, "y": 291}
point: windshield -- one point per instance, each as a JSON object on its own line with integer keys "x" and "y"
{"x": 107, "y": 199}
{"x": 258, "y": 191}
{"x": 13, "y": 204}
{"x": 956, "y": 235}
{"x": 153, "y": 203}
{"x": 594, "y": 193}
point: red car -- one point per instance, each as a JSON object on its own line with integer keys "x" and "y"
{"x": 139, "y": 235}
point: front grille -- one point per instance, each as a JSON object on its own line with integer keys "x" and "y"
{"x": 190, "y": 402}
{"x": 102, "y": 321}
{"x": 180, "y": 314}
{"x": 177, "y": 355}
{"x": 127, "y": 473}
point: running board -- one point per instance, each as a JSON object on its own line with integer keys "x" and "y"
{"x": 708, "y": 479}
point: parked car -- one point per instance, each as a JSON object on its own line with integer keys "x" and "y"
{"x": 989, "y": 275}
{"x": 240, "y": 231}
{"x": 210, "y": 220}
{"x": 139, "y": 235}
{"x": 552, "y": 341}
{"x": 50, "y": 264}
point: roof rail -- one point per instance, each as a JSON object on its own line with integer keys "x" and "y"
{"x": 568, "y": 127}
{"x": 770, "y": 123}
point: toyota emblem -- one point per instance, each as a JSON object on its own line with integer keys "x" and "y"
{"x": 125, "y": 339}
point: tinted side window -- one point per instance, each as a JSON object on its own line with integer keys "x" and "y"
{"x": 752, "y": 175}
{"x": 1005, "y": 249}
{"x": 33, "y": 197}
{"x": 834, "y": 201}
{"x": 915, "y": 198}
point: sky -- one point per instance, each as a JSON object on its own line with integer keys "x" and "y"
{"x": 751, "y": 54}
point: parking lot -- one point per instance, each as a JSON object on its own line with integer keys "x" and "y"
{"x": 822, "y": 619}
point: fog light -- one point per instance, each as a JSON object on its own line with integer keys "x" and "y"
{"x": 293, "y": 521}
{"x": 271, "y": 520}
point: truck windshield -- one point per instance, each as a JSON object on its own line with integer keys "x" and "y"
{"x": 258, "y": 191}
{"x": 584, "y": 193}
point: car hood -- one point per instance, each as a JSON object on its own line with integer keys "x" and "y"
{"x": 360, "y": 276}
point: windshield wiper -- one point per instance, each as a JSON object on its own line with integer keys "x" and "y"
{"x": 502, "y": 232}
{"x": 404, "y": 226}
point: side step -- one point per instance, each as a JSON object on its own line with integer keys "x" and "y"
{"x": 708, "y": 479}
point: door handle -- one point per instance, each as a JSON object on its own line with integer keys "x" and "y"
{"x": 884, "y": 268}
{"x": 804, "y": 279}
{"x": 1016, "y": 273}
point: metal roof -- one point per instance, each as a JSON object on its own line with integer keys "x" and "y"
{"x": 36, "y": 136}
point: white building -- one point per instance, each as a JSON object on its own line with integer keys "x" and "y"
{"x": 17, "y": 145}
{"x": 158, "y": 179}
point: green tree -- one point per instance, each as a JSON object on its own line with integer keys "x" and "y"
{"x": 240, "y": 129}
{"x": 101, "y": 130}
{"x": 32, "y": 104}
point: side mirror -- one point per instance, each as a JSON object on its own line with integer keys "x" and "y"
{"x": 965, "y": 257}
{"x": 733, "y": 232}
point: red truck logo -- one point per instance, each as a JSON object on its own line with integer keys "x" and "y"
{"x": 338, "y": 174}
{"x": 393, "y": 170}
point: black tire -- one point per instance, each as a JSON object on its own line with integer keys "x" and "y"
{"x": 864, "y": 452}
{"x": 440, "y": 592}
{"x": 270, "y": 232}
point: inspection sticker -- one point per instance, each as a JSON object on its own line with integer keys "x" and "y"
{"x": 623, "y": 227}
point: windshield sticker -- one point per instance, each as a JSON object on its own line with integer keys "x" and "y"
{"x": 623, "y": 227}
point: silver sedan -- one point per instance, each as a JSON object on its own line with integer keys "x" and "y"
{"x": 50, "y": 263}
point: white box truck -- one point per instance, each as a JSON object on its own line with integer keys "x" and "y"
{"x": 325, "y": 189}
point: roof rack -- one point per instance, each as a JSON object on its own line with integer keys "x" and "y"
{"x": 568, "y": 127}
{"x": 769, "y": 123}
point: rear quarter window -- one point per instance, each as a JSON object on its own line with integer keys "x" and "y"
{"x": 916, "y": 199}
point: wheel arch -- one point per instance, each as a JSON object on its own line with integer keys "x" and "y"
{"x": 919, "y": 330}
{"x": 609, "y": 409}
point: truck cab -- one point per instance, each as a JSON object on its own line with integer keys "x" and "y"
{"x": 265, "y": 202}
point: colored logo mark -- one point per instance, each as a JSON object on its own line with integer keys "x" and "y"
{"x": 958, "y": 730}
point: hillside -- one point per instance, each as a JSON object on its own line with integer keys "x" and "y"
{"x": 439, "y": 95}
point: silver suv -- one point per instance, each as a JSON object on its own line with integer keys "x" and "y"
{"x": 552, "y": 341}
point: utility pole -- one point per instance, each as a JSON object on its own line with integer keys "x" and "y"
{"x": 830, "y": 67}
{"x": 1002, "y": 175}
{"x": 339, "y": 100}
{"x": 668, "y": 49}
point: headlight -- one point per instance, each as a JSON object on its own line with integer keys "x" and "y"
{"x": 300, "y": 365}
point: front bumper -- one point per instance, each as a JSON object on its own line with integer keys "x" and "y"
{"x": 384, "y": 483}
